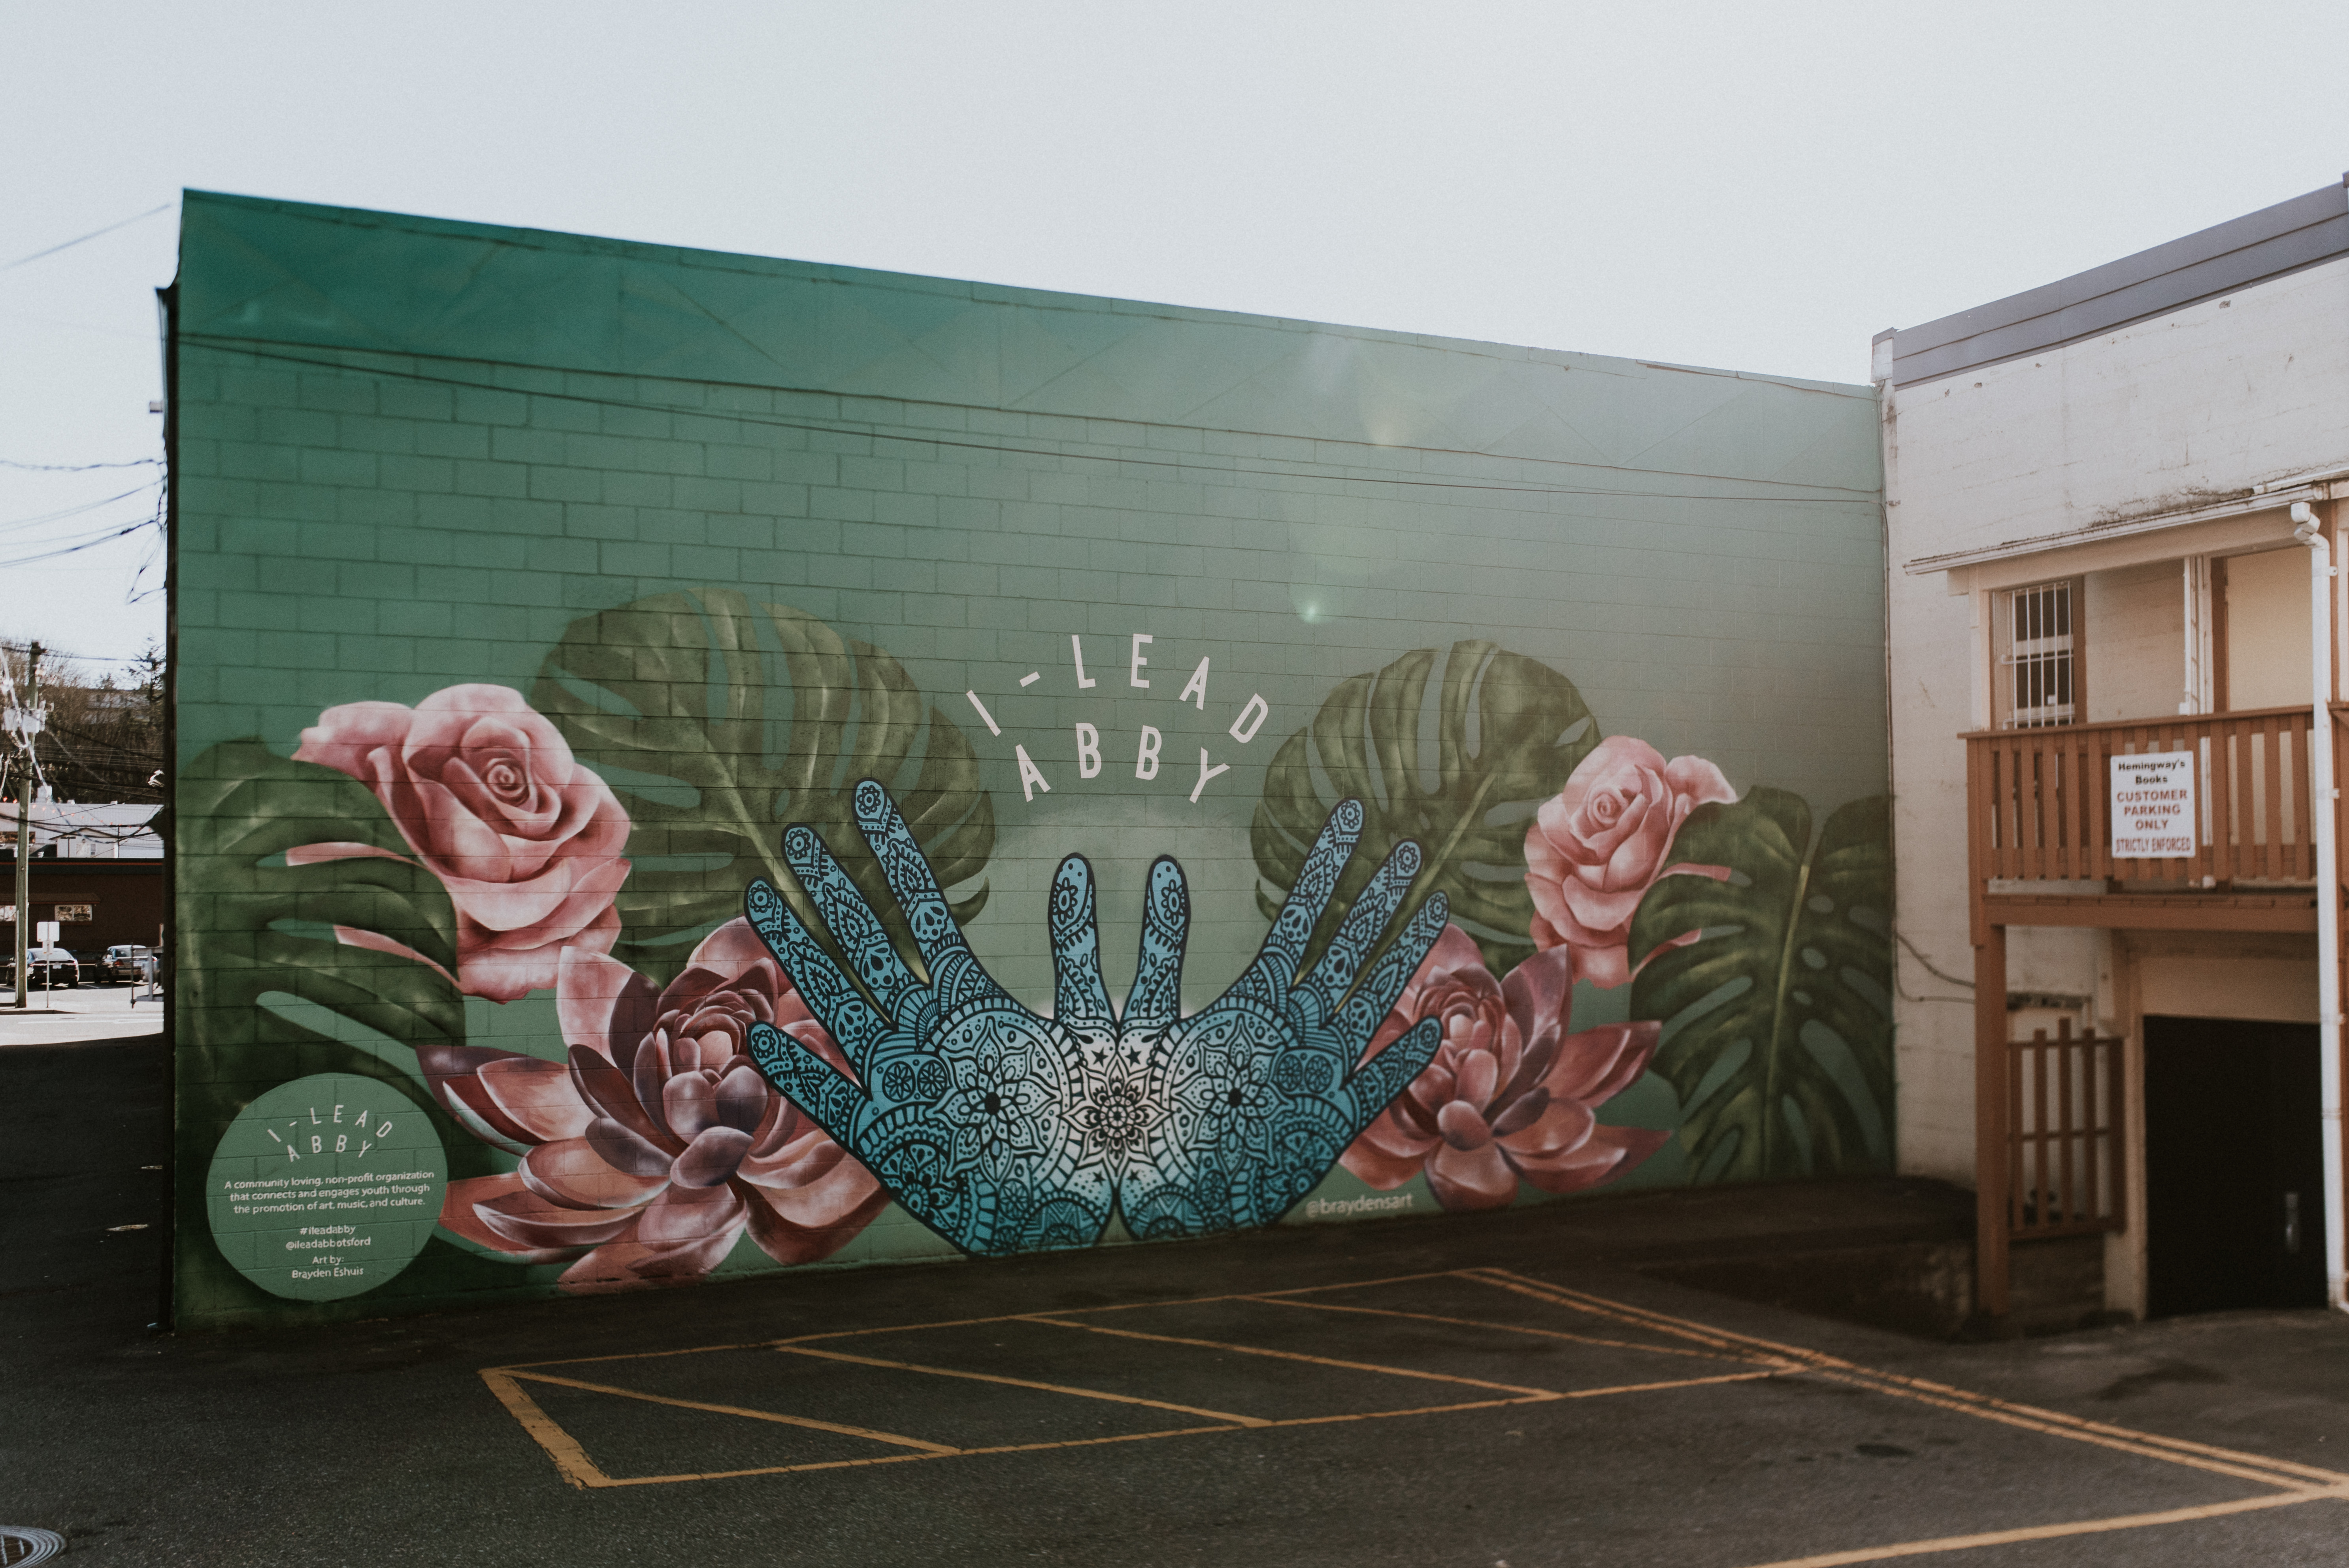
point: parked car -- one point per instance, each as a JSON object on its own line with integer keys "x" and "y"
{"x": 120, "y": 966}
{"x": 51, "y": 966}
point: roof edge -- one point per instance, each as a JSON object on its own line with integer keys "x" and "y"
{"x": 2287, "y": 237}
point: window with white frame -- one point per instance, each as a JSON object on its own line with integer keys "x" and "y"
{"x": 2041, "y": 657}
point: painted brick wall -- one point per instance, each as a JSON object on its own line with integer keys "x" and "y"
{"x": 414, "y": 455}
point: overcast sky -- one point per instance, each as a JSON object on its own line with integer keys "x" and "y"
{"x": 1760, "y": 187}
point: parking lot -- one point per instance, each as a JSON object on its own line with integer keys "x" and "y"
{"x": 1520, "y": 1389}
{"x": 79, "y": 1012}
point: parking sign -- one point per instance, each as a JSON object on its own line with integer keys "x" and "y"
{"x": 2153, "y": 806}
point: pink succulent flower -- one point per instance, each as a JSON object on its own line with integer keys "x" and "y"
{"x": 646, "y": 1158}
{"x": 1510, "y": 1094}
{"x": 1595, "y": 849}
{"x": 488, "y": 794}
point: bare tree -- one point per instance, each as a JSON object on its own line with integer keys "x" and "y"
{"x": 103, "y": 740}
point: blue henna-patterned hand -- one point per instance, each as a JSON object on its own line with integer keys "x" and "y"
{"x": 1007, "y": 1132}
{"x": 1252, "y": 1099}
{"x": 973, "y": 1111}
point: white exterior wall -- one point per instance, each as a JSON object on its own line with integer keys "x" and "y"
{"x": 2136, "y": 617}
{"x": 2267, "y": 629}
{"x": 2194, "y": 406}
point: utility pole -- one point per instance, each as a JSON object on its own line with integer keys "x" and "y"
{"x": 24, "y": 722}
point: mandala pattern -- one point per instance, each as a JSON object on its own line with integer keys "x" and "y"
{"x": 1007, "y": 1132}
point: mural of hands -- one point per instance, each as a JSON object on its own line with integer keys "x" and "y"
{"x": 971, "y": 1109}
{"x": 1005, "y": 1132}
{"x": 1255, "y": 1096}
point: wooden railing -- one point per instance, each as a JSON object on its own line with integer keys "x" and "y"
{"x": 2049, "y": 1138}
{"x": 2065, "y": 1100}
{"x": 2039, "y": 799}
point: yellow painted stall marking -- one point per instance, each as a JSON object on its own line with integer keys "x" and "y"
{"x": 1509, "y": 1327}
{"x": 808, "y": 1421}
{"x": 2229, "y": 1462}
{"x": 2292, "y": 1482}
{"x": 793, "y": 1349}
{"x": 2054, "y": 1532}
{"x": 570, "y": 1460}
{"x": 1296, "y": 1356}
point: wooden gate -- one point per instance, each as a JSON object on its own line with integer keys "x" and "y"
{"x": 2065, "y": 1144}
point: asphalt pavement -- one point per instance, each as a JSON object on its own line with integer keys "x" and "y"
{"x": 1524, "y": 1388}
{"x": 76, "y": 1013}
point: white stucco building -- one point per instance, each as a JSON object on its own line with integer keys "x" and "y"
{"x": 2090, "y": 491}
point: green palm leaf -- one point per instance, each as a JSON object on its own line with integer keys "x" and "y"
{"x": 1505, "y": 733}
{"x": 679, "y": 700}
{"x": 252, "y": 923}
{"x": 249, "y": 924}
{"x": 1777, "y": 1018}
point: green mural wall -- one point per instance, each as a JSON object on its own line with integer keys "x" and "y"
{"x": 776, "y": 764}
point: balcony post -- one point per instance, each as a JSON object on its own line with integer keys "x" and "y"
{"x": 1991, "y": 1124}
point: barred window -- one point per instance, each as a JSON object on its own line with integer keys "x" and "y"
{"x": 2041, "y": 659}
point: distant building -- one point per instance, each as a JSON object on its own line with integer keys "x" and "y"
{"x": 98, "y": 871}
{"x": 69, "y": 829}
{"x": 2090, "y": 489}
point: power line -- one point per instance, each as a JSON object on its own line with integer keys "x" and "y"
{"x": 78, "y": 468}
{"x": 94, "y": 234}
{"x": 75, "y": 510}
{"x": 91, "y": 543}
{"x": 83, "y": 658}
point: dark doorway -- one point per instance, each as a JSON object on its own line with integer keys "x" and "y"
{"x": 2233, "y": 1166}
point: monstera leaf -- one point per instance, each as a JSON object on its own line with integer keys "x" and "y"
{"x": 1777, "y": 1023}
{"x": 721, "y": 721}
{"x": 1507, "y": 731}
{"x": 250, "y": 924}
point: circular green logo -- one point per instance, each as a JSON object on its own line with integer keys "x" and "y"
{"x": 325, "y": 1187}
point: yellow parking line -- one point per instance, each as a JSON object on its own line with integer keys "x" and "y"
{"x": 1295, "y": 1355}
{"x": 808, "y": 1421}
{"x": 1504, "y": 1327}
{"x": 571, "y": 1460}
{"x": 2231, "y": 1462}
{"x": 2057, "y": 1532}
{"x": 2291, "y": 1480}
{"x": 1075, "y": 1311}
{"x": 2180, "y": 1449}
{"x": 1293, "y": 1290}
{"x": 2251, "y": 1468}
{"x": 1023, "y": 1383}
{"x": 1634, "y": 1318}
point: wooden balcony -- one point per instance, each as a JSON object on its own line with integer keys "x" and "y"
{"x": 2048, "y": 1114}
{"x": 2039, "y": 811}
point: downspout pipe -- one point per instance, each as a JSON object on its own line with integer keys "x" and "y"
{"x": 2323, "y": 820}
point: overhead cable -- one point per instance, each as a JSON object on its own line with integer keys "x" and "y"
{"x": 77, "y": 467}
{"x": 74, "y": 511}
{"x": 94, "y": 234}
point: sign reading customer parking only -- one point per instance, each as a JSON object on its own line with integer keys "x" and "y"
{"x": 2153, "y": 806}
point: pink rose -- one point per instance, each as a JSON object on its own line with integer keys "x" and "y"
{"x": 646, "y": 1158}
{"x": 1510, "y": 1095}
{"x": 485, "y": 791}
{"x": 1593, "y": 852}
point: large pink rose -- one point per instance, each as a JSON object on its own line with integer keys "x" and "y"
{"x": 526, "y": 841}
{"x": 1594, "y": 851}
{"x": 1510, "y": 1095}
{"x": 646, "y": 1158}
